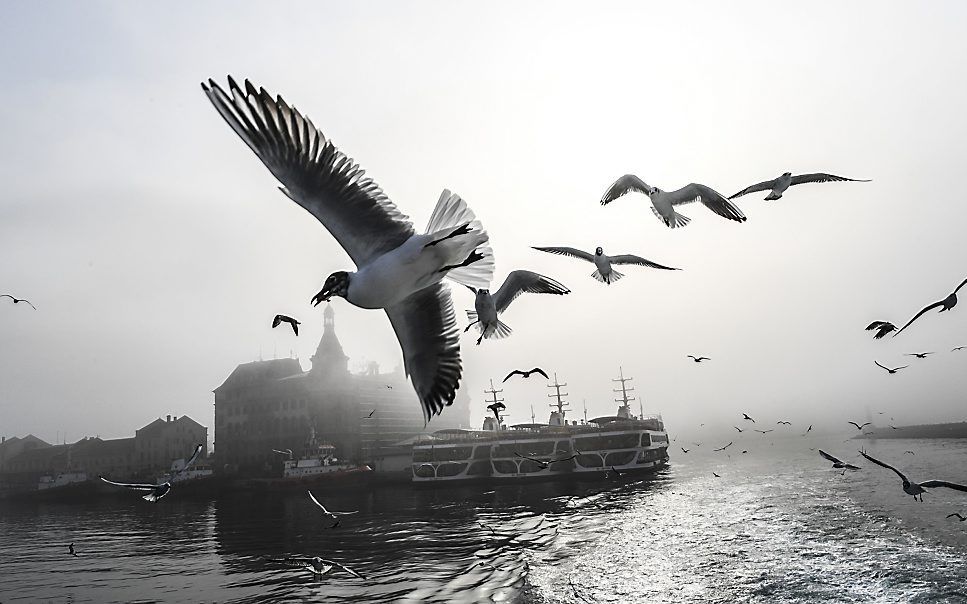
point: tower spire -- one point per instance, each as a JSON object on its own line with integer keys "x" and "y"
{"x": 329, "y": 357}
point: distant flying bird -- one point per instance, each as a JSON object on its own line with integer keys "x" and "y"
{"x": 487, "y": 307}
{"x": 764, "y": 431}
{"x": 739, "y": 429}
{"x": 526, "y": 374}
{"x": 859, "y": 427}
{"x": 663, "y": 203}
{"x": 958, "y": 516}
{"x": 919, "y": 355}
{"x": 777, "y": 186}
{"x": 808, "y": 430}
{"x": 154, "y": 491}
{"x": 398, "y": 270}
{"x": 319, "y": 566}
{"x": 194, "y": 456}
{"x": 73, "y": 553}
{"x": 684, "y": 450}
{"x": 746, "y": 417}
{"x": 370, "y": 414}
{"x": 332, "y": 515}
{"x": 488, "y": 527}
{"x": 698, "y": 359}
{"x": 724, "y": 448}
{"x": 882, "y": 328}
{"x": 914, "y": 488}
{"x": 784, "y": 423}
{"x": 279, "y": 319}
{"x": 837, "y": 463}
{"x": 716, "y": 475}
{"x": 616, "y": 472}
{"x": 945, "y": 305}
{"x": 545, "y": 464}
{"x": 604, "y": 273}
{"x": 497, "y": 408}
{"x": 909, "y": 453}
{"x": 890, "y": 371}
{"x": 894, "y": 427}
{"x": 958, "y": 348}
{"x": 287, "y": 452}
{"x": 18, "y": 300}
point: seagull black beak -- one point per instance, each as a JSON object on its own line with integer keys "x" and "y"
{"x": 323, "y": 296}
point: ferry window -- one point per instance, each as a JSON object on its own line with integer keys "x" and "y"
{"x": 645, "y": 439}
{"x": 619, "y": 458}
{"x": 481, "y": 452}
{"x": 612, "y": 441}
{"x": 479, "y": 468}
{"x": 590, "y": 460}
{"x": 563, "y": 446}
{"x": 450, "y": 469}
{"x": 451, "y": 453}
{"x": 563, "y": 466}
{"x": 424, "y": 471}
{"x": 422, "y": 455}
{"x": 529, "y": 467}
{"x": 504, "y": 466}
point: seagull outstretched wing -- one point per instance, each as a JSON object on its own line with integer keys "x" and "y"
{"x": 943, "y": 483}
{"x": 193, "y": 457}
{"x": 710, "y": 198}
{"x": 625, "y": 184}
{"x": 918, "y": 315}
{"x": 826, "y": 455}
{"x": 426, "y": 327}
{"x": 632, "y": 259}
{"x": 821, "y": 177}
{"x": 519, "y": 282}
{"x": 765, "y": 185}
{"x": 131, "y": 485}
{"x": 315, "y": 174}
{"x": 885, "y": 465}
{"x": 327, "y": 512}
{"x": 567, "y": 251}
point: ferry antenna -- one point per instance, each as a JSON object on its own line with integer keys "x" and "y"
{"x": 493, "y": 392}
{"x": 624, "y": 389}
{"x": 559, "y": 396}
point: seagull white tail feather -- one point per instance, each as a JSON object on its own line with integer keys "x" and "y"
{"x": 677, "y": 219}
{"x": 773, "y": 196}
{"x": 611, "y": 278}
{"x": 452, "y": 212}
{"x": 500, "y": 330}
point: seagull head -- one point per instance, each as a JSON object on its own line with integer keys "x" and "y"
{"x": 598, "y": 251}
{"x": 337, "y": 284}
{"x": 787, "y": 174}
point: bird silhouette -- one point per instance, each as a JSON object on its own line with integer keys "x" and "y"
{"x": 279, "y": 319}
{"x": 18, "y": 300}
{"x": 698, "y": 359}
{"x": 919, "y": 355}
{"x": 859, "y": 427}
{"x": 370, "y": 414}
{"x": 958, "y": 348}
{"x": 739, "y": 429}
{"x": 890, "y": 371}
{"x": 716, "y": 475}
{"x": 836, "y": 462}
{"x": 497, "y": 408}
{"x": 777, "y": 186}
{"x": 724, "y": 448}
{"x": 70, "y": 548}
{"x": 663, "y": 203}
{"x": 487, "y": 306}
{"x": 882, "y": 328}
{"x": 684, "y": 450}
{"x": 603, "y": 271}
{"x": 763, "y": 431}
{"x": 959, "y": 517}
{"x": 808, "y": 430}
{"x": 916, "y": 488}
{"x": 744, "y": 416}
{"x": 526, "y": 374}
{"x": 946, "y": 304}
{"x": 783, "y": 423}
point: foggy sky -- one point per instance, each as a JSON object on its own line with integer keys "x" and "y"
{"x": 157, "y": 247}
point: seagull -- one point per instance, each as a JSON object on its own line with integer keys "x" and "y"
{"x": 575, "y": 590}
{"x": 18, "y": 300}
{"x": 155, "y": 491}
{"x": 333, "y": 515}
{"x": 698, "y": 359}
{"x": 808, "y": 430}
{"x": 663, "y": 202}
{"x": 526, "y": 374}
{"x": 497, "y": 408}
{"x": 487, "y": 307}
{"x": 959, "y": 517}
{"x": 617, "y": 474}
{"x": 739, "y": 429}
{"x": 684, "y": 450}
{"x": 958, "y": 348}
{"x": 837, "y": 463}
{"x": 398, "y": 270}
{"x": 724, "y": 448}
{"x": 778, "y": 186}
{"x": 859, "y": 427}
{"x": 370, "y": 414}
{"x": 945, "y": 304}
{"x": 914, "y": 488}
{"x": 716, "y": 475}
{"x": 490, "y": 528}
{"x": 909, "y": 452}
{"x": 745, "y": 416}
{"x": 784, "y": 423}
{"x": 919, "y": 355}
{"x": 604, "y": 273}
{"x": 882, "y": 328}
{"x": 280, "y": 318}
{"x": 193, "y": 457}
{"x": 764, "y": 431}
{"x": 890, "y": 371}
{"x": 320, "y": 566}
{"x": 283, "y": 452}
{"x": 545, "y": 464}
{"x": 71, "y": 549}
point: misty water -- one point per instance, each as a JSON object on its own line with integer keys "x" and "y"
{"x": 779, "y": 526}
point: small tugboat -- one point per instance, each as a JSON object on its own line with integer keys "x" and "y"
{"x": 317, "y": 466}
{"x": 558, "y": 450}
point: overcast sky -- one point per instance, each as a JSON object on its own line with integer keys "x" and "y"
{"x": 157, "y": 248}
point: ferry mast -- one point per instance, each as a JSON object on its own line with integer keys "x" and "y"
{"x": 493, "y": 392}
{"x": 625, "y": 390}
{"x": 561, "y": 404}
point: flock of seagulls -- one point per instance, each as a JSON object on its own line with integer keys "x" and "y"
{"x": 401, "y": 271}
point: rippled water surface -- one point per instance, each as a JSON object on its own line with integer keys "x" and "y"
{"x": 778, "y": 526}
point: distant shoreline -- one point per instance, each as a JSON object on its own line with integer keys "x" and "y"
{"x": 951, "y": 430}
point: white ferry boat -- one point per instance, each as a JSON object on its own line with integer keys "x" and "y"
{"x": 558, "y": 449}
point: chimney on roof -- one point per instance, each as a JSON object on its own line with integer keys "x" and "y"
{"x": 169, "y": 419}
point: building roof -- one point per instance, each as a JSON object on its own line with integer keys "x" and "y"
{"x": 258, "y": 371}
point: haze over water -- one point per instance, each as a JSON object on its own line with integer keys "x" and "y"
{"x": 778, "y": 526}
